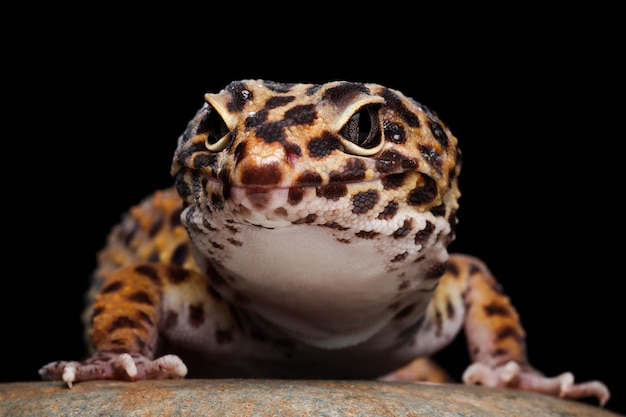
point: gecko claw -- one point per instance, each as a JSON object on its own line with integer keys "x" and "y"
{"x": 125, "y": 364}
{"x": 107, "y": 365}
{"x": 69, "y": 374}
{"x": 513, "y": 375}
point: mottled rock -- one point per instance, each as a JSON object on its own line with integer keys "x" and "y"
{"x": 285, "y": 398}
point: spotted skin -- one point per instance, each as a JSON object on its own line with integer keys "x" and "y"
{"x": 305, "y": 237}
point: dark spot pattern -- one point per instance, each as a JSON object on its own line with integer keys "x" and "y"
{"x": 335, "y": 225}
{"x": 438, "y": 323}
{"x": 176, "y": 274}
{"x": 256, "y": 119}
{"x": 122, "y": 322}
{"x": 112, "y": 287}
{"x": 272, "y": 132}
{"x": 431, "y": 156}
{"x": 474, "y": 269}
{"x": 367, "y": 234}
{"x": 179, "y": 256}
{"x": 450, "y": 311}
{"x": 182, "y": 188}
{"x": 204, "y": 125}
{"x": 189, "y": 152}
{"x": 323, "y": 145}
{"x": 509, "y": 332}
{"x": 295, "y": 195}
{"x": 216, "y": 245}
{"x": 310, "y": 218}
{"x": 309, "y": 178}
{"x": 405, "y": 229}
{"x": 148, "y": 271}
{"x": 400, "y": 257}
{"x": 438, "y": 132}
{"x": 155, "y": 226}
{"x": 435, "y": 271}
{"x": 439, "y": 210}
{"x": 391, "y": 161}
{"x": 394, "y": 103}
{"x": 204, "y": 160}
{"x": 352, "y": 171}
{"x": 500, "y": 352}
{"x": 278, "y": 87}
{"x": 145, "y": 317}
{"x": 343, "y": 93}
{"x": 393, "y": 181}
{"x": 423, "y": 235}
{"x": 312, "y": 90}
{"x": 196, "y": 315}
{"x": 140, "y": 297}
{"x": 240, "y": 94}
{"x": 424, "y": 193}
{"x": 300, "y": 115}
{"x": 127, "y": 234}
{"x": 495, "y": 309}
{"x": 269, "y": 174}
{"x": 394, "y": 132}
{"x": 292, "y": 149}
{"x": 232, "y": 229}
{"x": 217, "y": 202}
{"x": 171, "y": 319}
{"x": 96, "y": 312}
{"x": 452, "y": 269}
{"x": 208, "y": 226}
{"x": 175, "y": 217}
{"x": 364, "y": 201}
{"x": 389, "y": 211}
{"x": 331, "y": 191}
{"x": 278, "y": 101}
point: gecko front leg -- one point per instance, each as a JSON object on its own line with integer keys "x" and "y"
{"x": 137, "y": 309}
{"x": 495, "y": 337}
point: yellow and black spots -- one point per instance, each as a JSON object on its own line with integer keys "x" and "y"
{"x": 138, "y": 303}
{"x": 306, "y": 235}
{"x": 467, "y": 296}
{"x": 493, "y": 328}
{"x": 306, "y": 135}
{"x": 126, "y": 311}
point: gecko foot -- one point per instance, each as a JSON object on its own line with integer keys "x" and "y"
{"x": 120, "y": 366}
{"x": 512, "y": 375}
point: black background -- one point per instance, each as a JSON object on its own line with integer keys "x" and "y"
{"x": 96, "y": 107}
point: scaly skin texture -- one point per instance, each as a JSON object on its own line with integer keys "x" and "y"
{"x": 306, "y": 237}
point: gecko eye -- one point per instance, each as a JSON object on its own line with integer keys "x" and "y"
{"x": 218, "y": 134}
{"x": 361, "y": 135}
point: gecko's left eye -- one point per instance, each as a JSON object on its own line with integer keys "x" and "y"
{"x": 218, "y": 134}
{"x": 362, "y": 133}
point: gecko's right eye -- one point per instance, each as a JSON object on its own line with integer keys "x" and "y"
{"x": 214, "y": 126}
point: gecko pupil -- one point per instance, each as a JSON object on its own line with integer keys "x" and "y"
{"x": 362, "y": 128}
{"x": 216, "y": 126}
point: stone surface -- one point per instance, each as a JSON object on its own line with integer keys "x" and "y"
{"x": 285, "y": 398}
